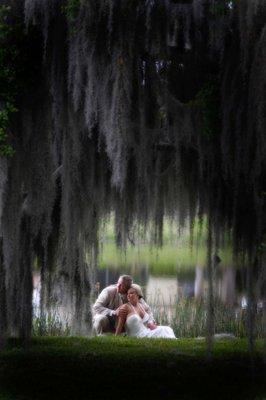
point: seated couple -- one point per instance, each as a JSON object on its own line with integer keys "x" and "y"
{"x": 122, "y": 307}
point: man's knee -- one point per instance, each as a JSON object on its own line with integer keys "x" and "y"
{"x": 100, "y": 324}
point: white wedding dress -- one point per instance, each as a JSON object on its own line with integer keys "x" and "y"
{"x": 135, "y": 326}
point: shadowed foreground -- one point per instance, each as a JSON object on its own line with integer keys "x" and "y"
{"x": 107, "y": 367}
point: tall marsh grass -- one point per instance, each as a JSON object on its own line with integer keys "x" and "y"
{"x": 188, "y": 318}
{"x": 50, "y": 324}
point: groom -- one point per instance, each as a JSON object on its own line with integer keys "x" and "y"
{"x": 105, "y": 309}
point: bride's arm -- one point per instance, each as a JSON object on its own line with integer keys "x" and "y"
{"x": 122, "y": 316}
{"x": 150, "y": 323}
{"x": 146, "y": 308}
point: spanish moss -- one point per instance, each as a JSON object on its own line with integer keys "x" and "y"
{"x": 138, "y": 109}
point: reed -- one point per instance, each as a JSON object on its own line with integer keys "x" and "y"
{"x": 188, "y": 317}
{"x": 50, "y": 324}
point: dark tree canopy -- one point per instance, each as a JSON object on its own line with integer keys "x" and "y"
{"x": 143, "y": 109}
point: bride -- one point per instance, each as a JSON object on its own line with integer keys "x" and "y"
{"x": 133, "y": 317}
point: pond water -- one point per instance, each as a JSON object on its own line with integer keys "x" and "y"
{"x": 191, "y": 283}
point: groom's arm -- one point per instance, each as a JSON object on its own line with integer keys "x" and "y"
{"x": 101, "y": 304}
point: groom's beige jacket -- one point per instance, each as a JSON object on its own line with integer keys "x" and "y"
{"x": 109, "y": 300}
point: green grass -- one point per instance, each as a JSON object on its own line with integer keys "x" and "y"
{"x": 129, "y": 368}
{"x": 176, "y": 254}
{"x": 167, "y": 260}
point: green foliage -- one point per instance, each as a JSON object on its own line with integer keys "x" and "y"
{"x": 207, "y": 100}
{"x": 8, "y": 79}
{"x": 221, "y": 7}
{"x": 71, "y": 9}
{"x": 5, "y": 114}
{"x": 5, "y": 29}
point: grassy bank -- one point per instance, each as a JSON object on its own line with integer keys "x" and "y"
{"x": 167, "y": 260}
{"x": 179, "y": 252}
{"x": 127, "y": 368}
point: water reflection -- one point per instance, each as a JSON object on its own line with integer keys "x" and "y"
{"x": 227, "y": 284}
{"x": 199, "y": 282}
{"x": 161, "y": 290}
{"x": 166, "y": 289}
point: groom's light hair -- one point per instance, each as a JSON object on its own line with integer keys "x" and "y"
{"x": 127, "y": 280}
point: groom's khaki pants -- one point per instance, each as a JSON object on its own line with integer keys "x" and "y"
{"x": 101, "y": 324}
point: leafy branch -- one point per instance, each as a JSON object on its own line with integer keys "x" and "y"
{"x": 8, "y": 80}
